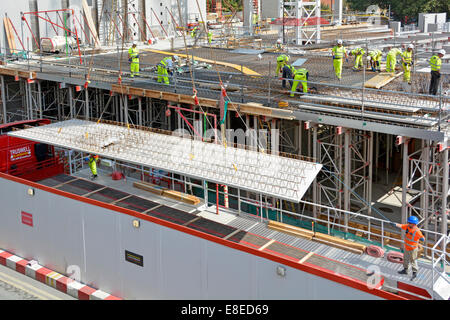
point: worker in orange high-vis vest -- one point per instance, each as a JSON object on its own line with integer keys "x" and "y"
{"x": 412, "y": 237}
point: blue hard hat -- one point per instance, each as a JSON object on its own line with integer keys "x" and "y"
{"x": 413, "y": 220}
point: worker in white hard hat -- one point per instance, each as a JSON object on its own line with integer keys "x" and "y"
{"x": 435, "y": 65}
{"x": 166, "y": 67}
{"x": 279, "y": 44}
{"x": 133, "y": 58}
{"x": 338, "y": 53}
{"x": 407, "y": 61}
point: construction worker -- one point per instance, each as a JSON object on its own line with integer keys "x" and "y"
{"x": 412, "y": 237}
{"x": 338, "y": 53}
{"x": 375, "y": 59}
{"x": 391, "y": 59}
{"x": 358, "y": 54}
{"x": 282, "y": 60}
{"x": 92, "y": 160}
{"x": 165, "y": 67}
{"x": 133, "y": 58}
{"x": 194, "y": 32}
{"x": 435, "y": 65}
{"x": 288, "y": 73}
{"x": 300, "y": 75}
{"x": 407, "y": 56}
{"x": 279, "y": 45}
{"x": 210, "y": 35}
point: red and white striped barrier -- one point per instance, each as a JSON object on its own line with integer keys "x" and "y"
{"x": 54, "y": 279}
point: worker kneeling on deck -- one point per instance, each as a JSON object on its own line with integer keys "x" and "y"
{"x": 133, "y": 58}
{"x": 338, "y": 53}
{"x": 358, "y": 53}
{"x": 300, "y": 75}
{"x": 412, "y": 237}
{"x": 165, "y": 67}
{"x": 391, "y": 59}
{"x": 407, "y": 63}
{"x": 375, "y": 59}
{"x": 92, "y": 160}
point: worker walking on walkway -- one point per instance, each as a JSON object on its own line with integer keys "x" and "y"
{"x": 358, "y": 53}
{"x": 166, "y": 67}
{"x": 210, "y": 36}
{"x": 375, "y": 59}
{"x": 435, "y": 65}
{"x": 391, "y": 59}
{"x": 407, "y": 60}
{"x": 338, "y": 53}
{"x": 282, "y": 60}
{"x": 133, "y": 58}
{"x": 92, "y": 160}
{"x": 300, "y": 75}
{"x": 412, "y": 237}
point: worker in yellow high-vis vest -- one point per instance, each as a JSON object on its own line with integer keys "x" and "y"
{"x": 435, "y": 65}
{"x": 92, "y": 160}
{"x": 338, "y": 53}
{"x": 407, "y": 61}
{"x": 391, "y": 59}
{"x": 165, "y": 67}
{"x": 300, "y": 76}
{"x": 133, "y": 58}
{"x": 375, "y": 59}
{"x": 282, "y": 60}
{"x": 358, "y": 53}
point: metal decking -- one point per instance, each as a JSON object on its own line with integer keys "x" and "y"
{"x": 245, "y": 230}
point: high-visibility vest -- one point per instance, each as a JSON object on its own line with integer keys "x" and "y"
{"x": 164, "y": 61}
{"x": 435, "y": 63}
{"x": 134, "y": 52}
{"x": 412, "y": 237}
{"x": 358, "y": 51}
{"x": 375, "y": 54}
{"x": 394, "y": 52}
{"x": 338, "y": 52}
{"x": 407, "y": 56}
{"x": 302, "y": 73}
{"x": 291, "y": 68}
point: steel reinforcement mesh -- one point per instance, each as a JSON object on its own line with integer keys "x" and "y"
{"x": 249, "y": 239}
{"x": 56, "y": 180}
{"x": 80, "y": 187}
{"x": 284, "y": 250}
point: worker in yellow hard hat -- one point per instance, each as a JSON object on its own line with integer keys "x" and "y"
{"x": 282, "y": 60}
{"x": 407, "y": 61}
{"x": 375, "y": 59}
{"x": 133, "y": 58}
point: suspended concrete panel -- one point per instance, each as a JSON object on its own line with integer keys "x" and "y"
{"x": 281, "y": 177}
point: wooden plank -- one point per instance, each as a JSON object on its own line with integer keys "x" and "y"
{"x": 381, "y": 80}
{"x": 292, "y": 230}
{"x": 339, "y": 246}
{"x": 176, "y": 195}
{"x": 10, "y": 35}
{"x": 339, "y": 241}
{"x": 90, "y": 21}
{"x": 148, "y": 187}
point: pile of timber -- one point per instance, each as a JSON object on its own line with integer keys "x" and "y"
{"x": 164, "y": 192}
{"x": 319, "y": 237}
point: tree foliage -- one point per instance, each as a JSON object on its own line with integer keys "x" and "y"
{"x": 404, "y": 10}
